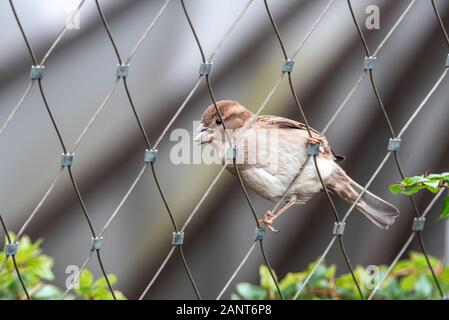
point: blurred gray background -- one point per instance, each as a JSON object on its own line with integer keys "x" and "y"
{"x": 81, "y": 70}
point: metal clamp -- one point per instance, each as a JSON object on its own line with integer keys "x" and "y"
{"x": 205, "y": 68}
{"x": 394, "y": 144}
{"x": 259, "y": 233}
{"x": 418, "y": 224}
{"x": 287, "y": 65}
{"x": 150, "y": 155}
{"x": 447, "y": 60}
{"x": 122, "y": 70}
{"x": 37, "y": 72}
{"x": 11, "y": 249}
{"x": 67, "y": 159}
{"x": 369, "y": 63}
{"x": 313, "y": 149}
{"x": 96, "y": 243}
{"x": 177, "y": 238}
{"x": 231, "y": 153}
{"x": 339, "y": 228}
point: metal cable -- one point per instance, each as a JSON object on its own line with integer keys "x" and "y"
{"x": 440, "y": 21}
{"x": 231, "y": 143}
{"x": 61, "y": 141}
{"x": 363, "y": 74}
{"x": 83, "y": 266}
{"x": 188, "y": 220}
{"x": 156, "y": 181}
{"x": 393, "y": 136}
{"x": 236, "y": 168}
{"x": 160, "y": 139}
{"x": 306, "y": 122}
{"x": 62, "y": 32}
{"x": 40, "y": 204}
{"x": 383, "y": 162}
{"x": 24, "y": 36}
{"x": 200, "y": 79}
{"x": 403, "y": 249}
{"x": 108, "y": 31}
{"x": 33, "y": 58}
{"x": 122, "y": 202}
{"x": 236, "y": 271}
{"x": 17, "y": 107}
{"x": 373, "y": 176}
{"x": 103, "y": 271}
{"x": 184, "y": 103}
{"x": 19, "y": 276}
{"x": 125, "y": 84}
{"x": 259, "y": 111}
{"x": 91, "y": 121}
{"x": 214, "y": 101}
{"x": 145, "y": 136}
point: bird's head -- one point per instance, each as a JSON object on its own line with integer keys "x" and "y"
{"x": 233, "y": 114}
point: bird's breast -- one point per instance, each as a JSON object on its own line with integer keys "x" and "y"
{"x": 271, "y": 166}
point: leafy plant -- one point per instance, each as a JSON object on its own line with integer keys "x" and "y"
{"x": 36, "y": 271}
{"x": 431, "y": 182}
{"x": 409, "y": 280}
{"x": 91, "y": 289}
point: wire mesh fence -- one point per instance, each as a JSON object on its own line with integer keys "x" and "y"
{"x": 150, "y": 153}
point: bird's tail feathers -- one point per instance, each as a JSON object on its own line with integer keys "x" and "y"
{"x": 379, "y": 211}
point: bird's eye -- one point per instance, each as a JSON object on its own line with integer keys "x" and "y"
{"x": 218, "y": 121}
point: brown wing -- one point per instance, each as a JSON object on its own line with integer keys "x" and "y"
{"x": 281, "y": 122}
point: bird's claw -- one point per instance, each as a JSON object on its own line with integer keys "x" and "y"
{"x": 267, "y": 221}
{"x": 315, "y": 140}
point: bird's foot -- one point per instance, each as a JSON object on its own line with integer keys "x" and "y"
{"x": 267, "y": 221}
{"x": 315, "y": 140}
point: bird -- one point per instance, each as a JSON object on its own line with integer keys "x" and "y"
{"x": 269, "y": 167}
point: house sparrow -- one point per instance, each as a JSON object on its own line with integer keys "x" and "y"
{"x": 271, "y": 178}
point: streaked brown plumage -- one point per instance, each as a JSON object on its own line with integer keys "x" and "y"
{"x": 271, "y": 178}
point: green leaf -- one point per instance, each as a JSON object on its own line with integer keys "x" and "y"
{"x": 434, "y": 177}
{"x": 441, "y": 176}
{"x": 409, "y": 181}
{"x": 444, "y": 276}
{"x": 291, "y": 279}
{"x": 289, "y": 285}
{"x": 423, "y": 287}
{"x": 410, "y": 190}
{"x": 432, "y": 186}
{"x": 266, "y": 281}
{"x": 101, "y": 293}
{"x": 330, "y": 272}
{"x": 402, "y": 266}
{"x": 48, "y": 292}
{"x": 251, "y": 292}
{"x": 445, "y": 175}
{"x": 86, "y": 278}
{"x": 395, "y": 188}
{"x": 102, "y": 281}
{"x": 235, "y": 296}
{"x": 36, "y": 271}
{"x": 418, "y": 260}
{"x": 119, "y": 295}
{"x": 101, "y": 290}
{"x": 320, "y": 274}
{"x": 321, "y": 284}
{"x": 41, "y": 266}
{"x": 445, "y": 210}
{"x": 407, "y": 283}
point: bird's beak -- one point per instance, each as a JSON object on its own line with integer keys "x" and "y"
{"x": 200, "y": 132}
